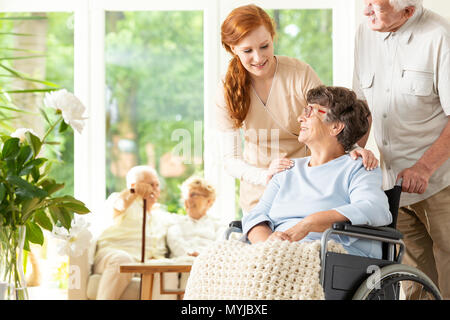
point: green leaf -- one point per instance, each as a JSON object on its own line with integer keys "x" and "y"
{"x": 62, "y": 215}
{"x": 27, "y": 90}
{"x": 10, "y": 148}
{"x": 51, "y": 186}
{"x": 67, "y": 199}
{"x": 26, "y": 245}
{"x": 34, "y": 233}
{"x": 16, "y": 34}
{"x": 36, "y": 163}
{"x": 80, "y": 209}
{"x": 43, "y": 220}
{"x": 63, "y": 126}
{"x": 42, "y": 111}
{"x": 29, "y": 206}
{"x": 24, "y": 18}
{"x": 15, "y": 109}
{"x": 35, "y": 174}
{"x": 25, "y": 154}
{"x": 26, "y": 189}
{"x": 2, "y": 191}
{"x": 11, "y": 166}
{"x": 23, "y": 57}
{"x": 34, "y": 142}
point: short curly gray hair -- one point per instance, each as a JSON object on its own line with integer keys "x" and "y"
{"x": 402, "y": 4}
{"x": 343, "y": 106}
{"x": 197, "y": 183}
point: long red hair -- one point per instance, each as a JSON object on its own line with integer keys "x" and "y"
{"x": 238, "y": 24}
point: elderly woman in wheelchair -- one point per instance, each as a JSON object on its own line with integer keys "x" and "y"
{"x": 327, "y": 187}
{"x": 328, "y": 195}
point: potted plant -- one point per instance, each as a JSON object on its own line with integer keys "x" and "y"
{"x": 28, "y": 204}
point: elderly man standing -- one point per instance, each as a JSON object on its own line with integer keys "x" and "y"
{"x": 402, "y": 69}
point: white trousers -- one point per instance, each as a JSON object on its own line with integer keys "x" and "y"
{"x": 112, "y": 283}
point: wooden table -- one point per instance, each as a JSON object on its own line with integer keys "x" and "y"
{"x": 148, "y": 270}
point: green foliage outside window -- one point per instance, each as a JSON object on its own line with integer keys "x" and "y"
{"x": 56, "y": 62}
{"x": 154, "y": 75}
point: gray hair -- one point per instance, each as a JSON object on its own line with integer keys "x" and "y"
{"x": 134, "y": 174}
{"x": 402, "y": 4}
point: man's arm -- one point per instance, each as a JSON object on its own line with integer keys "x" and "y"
{"x": 123, "y": 202}
{"x": 126, "y": 198}
{"x": 415, "y": 178}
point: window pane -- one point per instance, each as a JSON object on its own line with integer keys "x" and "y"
{"x": 306, "y": 35}
{"x": 40, "y": 47}
{"x": 154, "y": 76}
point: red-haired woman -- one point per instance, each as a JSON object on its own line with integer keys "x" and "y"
{"x": 263, "y": 94}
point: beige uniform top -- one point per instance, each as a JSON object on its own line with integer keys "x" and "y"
{"x": 126, "y": 232}
{"x": 405, "y": 78}
{"x": 271, "y": 130}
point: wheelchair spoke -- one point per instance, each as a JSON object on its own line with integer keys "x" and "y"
{"x": 403, "y": 286}
{"x": 395, "y": 289}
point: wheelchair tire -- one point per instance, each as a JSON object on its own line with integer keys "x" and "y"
{"x": 386, "y": 284}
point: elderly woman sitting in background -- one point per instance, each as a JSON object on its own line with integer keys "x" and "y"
{"x": 327, "y": 187}
{"x": 193, "y": 233}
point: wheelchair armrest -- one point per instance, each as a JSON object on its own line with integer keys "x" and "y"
{"x": 234, "y": 226}
{"x": 385, "y": 232}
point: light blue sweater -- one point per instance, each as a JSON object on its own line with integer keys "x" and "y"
{"x": 342, "y": 184}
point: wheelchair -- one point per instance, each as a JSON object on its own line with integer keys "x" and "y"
{"x": 345, "y": 276}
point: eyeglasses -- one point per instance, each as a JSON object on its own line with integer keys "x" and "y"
{"x": 309, "y": 109}
{"x": 195, "y": 194}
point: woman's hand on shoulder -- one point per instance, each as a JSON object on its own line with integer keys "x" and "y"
{"x": 370, "y": 162}
{"x": 278, "y": 165}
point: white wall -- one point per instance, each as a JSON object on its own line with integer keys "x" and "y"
{"x": 439, "y": 6}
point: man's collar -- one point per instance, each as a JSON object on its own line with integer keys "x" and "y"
{"x": 406, "y": 29}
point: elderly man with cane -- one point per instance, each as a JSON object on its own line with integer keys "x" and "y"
{"x": 123, "y": 241}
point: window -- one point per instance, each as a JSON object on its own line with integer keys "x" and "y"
{"x": 306, "y": 34}
{"x": 39, "y": 45}
{"x": 154, "y": 97}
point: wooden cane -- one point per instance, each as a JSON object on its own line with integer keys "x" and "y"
{"x": 144, "y": 215}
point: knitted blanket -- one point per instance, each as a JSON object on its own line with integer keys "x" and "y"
{"x": 281, "y": 270}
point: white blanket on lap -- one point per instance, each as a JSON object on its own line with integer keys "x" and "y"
{"x": 281, "y": 270}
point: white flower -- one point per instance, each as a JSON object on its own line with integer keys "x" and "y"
{"x": 75, "y": 242}
{"x": 70, "y": 106}
{"x": 20, "y": 133}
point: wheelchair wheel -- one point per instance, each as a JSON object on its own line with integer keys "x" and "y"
{"x": 398, "y": 282}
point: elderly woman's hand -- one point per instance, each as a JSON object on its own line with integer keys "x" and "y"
{"x": 299, "y": 231}
{"x": 370, "y": 162}
{"x": 278, "y": 165}
{"x": 279, "y": 235}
